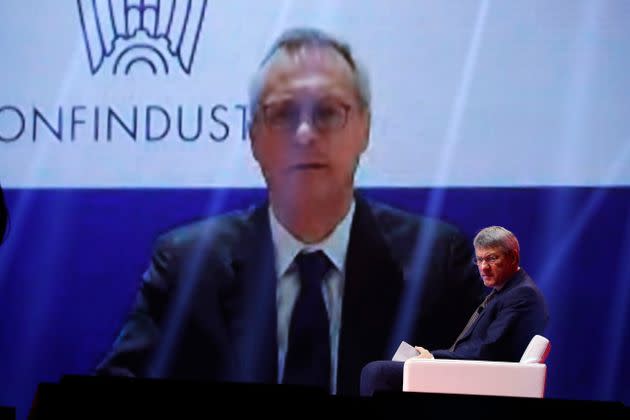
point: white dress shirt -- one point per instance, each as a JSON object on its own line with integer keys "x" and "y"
{"x": 286, "y": 248}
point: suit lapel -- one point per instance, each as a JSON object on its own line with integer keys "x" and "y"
{"x": 373, "y": 284}
{"x": 516, "y": 279}
{"x": 250, "y": 304}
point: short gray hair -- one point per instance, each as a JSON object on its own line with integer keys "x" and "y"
{"x": 295, "y": 38}
{"x": 497, "y": 236}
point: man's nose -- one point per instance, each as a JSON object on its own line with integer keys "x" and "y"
{"x": 305, "y": 132}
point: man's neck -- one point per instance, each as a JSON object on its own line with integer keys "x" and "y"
{"x": 498, "y": 288}
{"x": 310, "y": 219}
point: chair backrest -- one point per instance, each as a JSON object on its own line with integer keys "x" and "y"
{"x": 537, "y": 350}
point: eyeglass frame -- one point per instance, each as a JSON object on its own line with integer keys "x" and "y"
{"x": 306, "y": 113}
{"x": 490, "y": 259}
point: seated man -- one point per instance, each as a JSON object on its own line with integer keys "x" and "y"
{"x": 501, "y": 327}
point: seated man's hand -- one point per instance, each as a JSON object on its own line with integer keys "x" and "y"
{"x": 424, "y": 353}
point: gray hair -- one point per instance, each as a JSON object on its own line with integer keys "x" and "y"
{"x": 295, "y": 38}
{"x": 497, "y": 236}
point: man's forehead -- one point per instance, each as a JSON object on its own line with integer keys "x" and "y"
{"x": 307, "y": 63}
{"x": 488, "y": 250}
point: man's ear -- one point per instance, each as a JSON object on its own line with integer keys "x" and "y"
{"x": 514, "y": 259}
{"x": 366, "y": 130}
{"x": 253, "y": 138}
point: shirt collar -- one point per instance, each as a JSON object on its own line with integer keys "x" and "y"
{"x": 287, "y": 246}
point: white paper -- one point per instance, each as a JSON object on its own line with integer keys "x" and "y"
{"x": 405, "y": 351}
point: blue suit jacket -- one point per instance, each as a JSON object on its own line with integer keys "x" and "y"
{"x": 206, "y": 308}
{"x": 502, "y": 332}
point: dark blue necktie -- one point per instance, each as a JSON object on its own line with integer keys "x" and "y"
{"x": 308, "y": 355}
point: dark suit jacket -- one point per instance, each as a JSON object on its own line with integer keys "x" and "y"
{"x": 206, "y": 308}
{"x": 503, "y": 330}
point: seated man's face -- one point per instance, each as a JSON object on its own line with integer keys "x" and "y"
{"x": 311, "y": 127}
{"x": 495, "y": 265}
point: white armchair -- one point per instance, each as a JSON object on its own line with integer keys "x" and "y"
{"x": 523, "y": 379}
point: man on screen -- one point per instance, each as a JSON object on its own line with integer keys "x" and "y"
{"x": 500, "y": 329}
{"x": 309, "y": 286}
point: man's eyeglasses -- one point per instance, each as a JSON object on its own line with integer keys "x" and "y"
{"x": 324, "y": 116}
{"x": 490, "y": 259}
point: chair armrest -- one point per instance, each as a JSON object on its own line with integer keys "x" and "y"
{"x": 474, "y": 377}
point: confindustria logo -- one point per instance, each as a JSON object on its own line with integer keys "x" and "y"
{"x": 123, "y": 35}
